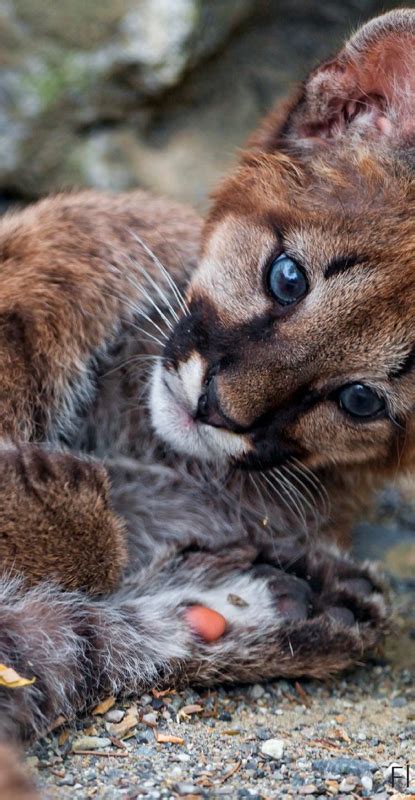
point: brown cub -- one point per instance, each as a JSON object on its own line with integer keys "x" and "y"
{"x": 290, "y": 355}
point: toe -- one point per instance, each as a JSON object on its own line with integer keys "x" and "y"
{"x": 341, "y": 614}
{"x": 360, "y": 586}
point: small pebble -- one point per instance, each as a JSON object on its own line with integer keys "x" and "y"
{"x": 308, "y": 788}
{"x": 347, "y": 785}
{"x": 145, "y": 699}
{"x": 273, "y": 748}
{"x": 115, "y": 715}
{"x": 343, "y": 766}
{"x": 68, "y": 780}
{"x": 257, "y": 691}
{"x": 187, "y": 788}
{"x": 91, "y": 743}
{"x": 367, "y": 782}
{"x": 150, "y": 719}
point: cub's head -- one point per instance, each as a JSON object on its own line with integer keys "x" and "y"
{"x": 299, "y": 336}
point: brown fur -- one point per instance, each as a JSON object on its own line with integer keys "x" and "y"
{"x": 65, "y": 290}
{"x": 60, "y": 506}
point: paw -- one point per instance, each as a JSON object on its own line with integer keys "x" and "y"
{"x": 300, "y": 612}
{"x": 55, "y": 519}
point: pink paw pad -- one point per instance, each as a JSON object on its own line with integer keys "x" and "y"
{"x": 205, "y": 622}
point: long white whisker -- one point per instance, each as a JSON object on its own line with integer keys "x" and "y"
{"x": 136, "y": 309}
{"x": 150, "y": 299}
{"x": 293, "y": 493}
{"x": 264, "y": 516}
{"x": 306, "y": 494}
{"x": 146, "y": 333}
{"x": 309, "y": 475}
{"x": 161, "y": 294}
{"x": 178, "y": 295}
{"x": 131, "y": 360}
{"x": 278, "y": 491}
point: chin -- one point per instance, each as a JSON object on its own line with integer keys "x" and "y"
{"x": 174, "y": 424}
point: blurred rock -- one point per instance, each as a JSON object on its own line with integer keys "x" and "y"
{"x": 69, "y": 65}
{"x": 111, "y": 94}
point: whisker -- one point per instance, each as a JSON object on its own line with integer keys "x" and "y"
{"x": 161, "y": 294}
{"x": 296, "y": 498}
{"x": 264, "y": 515}
{"x": 128, "y": 361}
{"x": 177, "y": 293}
{"x": 148, "y": 296}
{"x": 317, "y": 484}
{"x": 279, "y": 492}
{"x": 308, "y": 500}
{"x": 136, "y": 309}
{"x": 146, "y": 333}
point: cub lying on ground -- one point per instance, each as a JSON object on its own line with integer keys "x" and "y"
{"x": 280, "y": 388}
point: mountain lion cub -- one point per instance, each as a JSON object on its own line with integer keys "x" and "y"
{"x": 192, "y": 413}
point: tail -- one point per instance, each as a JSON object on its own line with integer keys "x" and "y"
{"x": 79, "y": 649}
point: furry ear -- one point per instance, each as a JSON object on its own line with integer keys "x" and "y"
{"x": 367, "y": 89}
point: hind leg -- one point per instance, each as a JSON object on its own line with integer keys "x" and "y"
{"x": 55, "y": 519}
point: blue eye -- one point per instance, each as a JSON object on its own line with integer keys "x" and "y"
{"x": 360, "y": 401}
{"x": 286, "y": 281}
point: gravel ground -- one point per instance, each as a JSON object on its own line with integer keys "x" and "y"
{"x": 281, "y": 739}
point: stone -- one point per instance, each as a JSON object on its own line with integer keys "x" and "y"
{"x": 273, "y": 748}
{"x": 115, "y": 715}
{"x": 91, "y": 743}
{"x": 343, "y": 766}
{"x": 72, "y": 64}
{"x": 367, "y": 783}
{"x": 256, "y": 691}
{"x": 347, "y": 784}
{"x": 187, "y": 788}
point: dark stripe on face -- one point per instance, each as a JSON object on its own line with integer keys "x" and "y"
{"x": 204, "y": 331}
{"x": 407, "y": 365}
{"x": 342, "y": 264}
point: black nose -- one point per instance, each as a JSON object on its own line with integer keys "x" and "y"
{"x": 208, "y": 409}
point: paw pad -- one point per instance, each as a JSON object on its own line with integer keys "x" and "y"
{"x": 206, "y": 623}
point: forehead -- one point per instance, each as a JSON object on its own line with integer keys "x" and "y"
{"x": 232, "y": 267}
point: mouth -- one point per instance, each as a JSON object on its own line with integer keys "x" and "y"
{"x": 176, "y": 424}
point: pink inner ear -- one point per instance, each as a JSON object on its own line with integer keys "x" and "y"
{"x": 370, "y": 87}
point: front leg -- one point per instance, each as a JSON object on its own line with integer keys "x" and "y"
{"x": 80, "y": 649}
{"x": 291, "y": 611}
{"x": 55, "y": 520}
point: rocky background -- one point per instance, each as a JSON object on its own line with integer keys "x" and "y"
{"x": 153, "y": 93}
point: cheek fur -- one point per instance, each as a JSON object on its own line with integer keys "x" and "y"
{"x": 329, "y": 439}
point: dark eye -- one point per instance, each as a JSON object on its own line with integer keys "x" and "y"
{"x": 360, "y": 401}
{"x": 286, "y": 281}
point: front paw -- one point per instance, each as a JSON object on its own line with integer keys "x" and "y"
{"x": 298, "y": 612}
{"x": 55, "y": 519}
